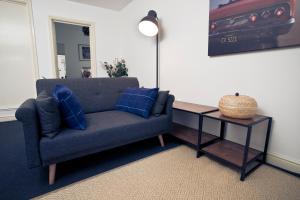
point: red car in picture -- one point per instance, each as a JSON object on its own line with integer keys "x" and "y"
{"x": 235, "y": 21}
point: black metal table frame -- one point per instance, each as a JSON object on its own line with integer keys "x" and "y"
{"x": 200, "y": 124}
{"x": 243, "y": 168}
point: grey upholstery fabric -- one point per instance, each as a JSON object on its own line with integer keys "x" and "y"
{"x": 160, "y": 103}
{"x": 49, "y": 114}
{"x": 95, "y": 94}
{"x": 27, "y": 114}
{"x": 105, "y": 130}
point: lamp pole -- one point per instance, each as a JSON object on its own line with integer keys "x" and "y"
{"x": 149, "y": 26}
{"x": 157, "y": 61}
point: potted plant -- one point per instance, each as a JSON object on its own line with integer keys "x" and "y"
{"x": 117, "y": 69}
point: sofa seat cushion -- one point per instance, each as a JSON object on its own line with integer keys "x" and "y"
{"x": 105, "y": 130}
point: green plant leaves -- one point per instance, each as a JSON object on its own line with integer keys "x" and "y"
{"x": 117, "y": 70}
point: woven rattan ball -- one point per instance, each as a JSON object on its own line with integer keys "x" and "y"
{"x": 236, "y": 106}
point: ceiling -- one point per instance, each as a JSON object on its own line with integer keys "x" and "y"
{"x": 110, "y": 4}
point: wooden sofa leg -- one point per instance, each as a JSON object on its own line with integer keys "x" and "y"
{"x": 52, "y": 170}
{"x": 161, "y": 140}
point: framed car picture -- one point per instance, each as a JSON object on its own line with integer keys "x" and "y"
{"x": 84, "y": 52}
{"x": 248, "y": 25}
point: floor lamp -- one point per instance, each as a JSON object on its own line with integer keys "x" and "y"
{"x": 148, "y": 26}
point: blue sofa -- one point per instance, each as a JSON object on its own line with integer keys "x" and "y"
{"x": 107, "y": 128}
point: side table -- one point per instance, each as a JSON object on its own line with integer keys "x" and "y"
{"x": 244, "y": 158}
{"x": 189, "y": 135}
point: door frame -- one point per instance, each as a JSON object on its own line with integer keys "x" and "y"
{"x": 91, "y": 25}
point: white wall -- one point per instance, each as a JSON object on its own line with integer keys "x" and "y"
{"x": 71, "y": 36}
{"x": 271, "y": 77}
{"x": 106, "y": 23}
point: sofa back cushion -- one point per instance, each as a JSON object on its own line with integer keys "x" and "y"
{"x": 94, "y": 94}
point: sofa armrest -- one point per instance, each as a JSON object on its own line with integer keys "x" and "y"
{"x": 27, "y": 114}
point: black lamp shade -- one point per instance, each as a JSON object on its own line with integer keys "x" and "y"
{"x": 149, "y": 24}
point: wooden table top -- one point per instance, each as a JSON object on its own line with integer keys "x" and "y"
{"x": 244, "y": 122}
{"x": 194, "y": 108}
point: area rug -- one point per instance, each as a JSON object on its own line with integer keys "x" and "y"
{"x": 177, "y": 174}
{"x": 18, "y": 182}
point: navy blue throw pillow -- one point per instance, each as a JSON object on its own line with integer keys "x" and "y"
{"x": 138, "y": 101}
{"x": 70, "y": 108}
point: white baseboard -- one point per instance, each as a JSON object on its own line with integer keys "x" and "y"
{"x": 7, "y": 114}
{"x": 283, "y": 163}
{"x": 6, "y": 119}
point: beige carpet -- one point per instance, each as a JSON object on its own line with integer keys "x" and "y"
{"x": 177, "y": 174}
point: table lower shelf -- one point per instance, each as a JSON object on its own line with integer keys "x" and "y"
{"x": 190, "y": 135}
{"x": 230, "y": 152}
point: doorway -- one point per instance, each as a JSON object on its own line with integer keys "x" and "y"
{"x": 73, "y": 49}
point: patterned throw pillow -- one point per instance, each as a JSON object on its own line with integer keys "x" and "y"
{"x": 138, "y": 101}
{"x": 70, "y": 108}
